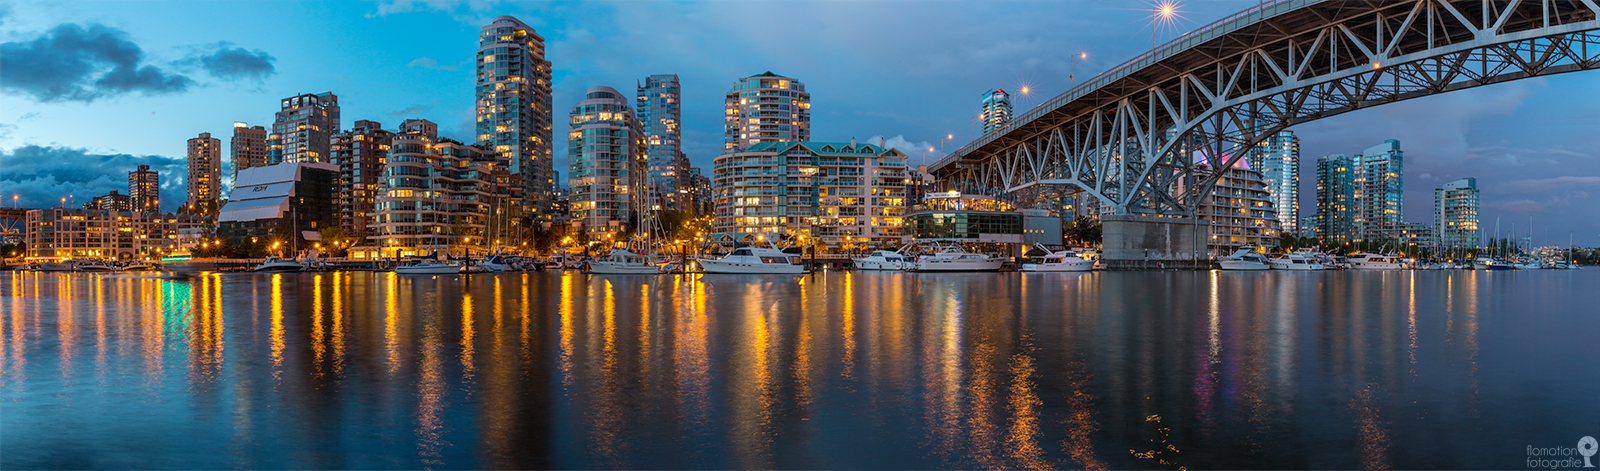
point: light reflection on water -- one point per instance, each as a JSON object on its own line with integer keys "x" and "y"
{"x": 564, "y": 370}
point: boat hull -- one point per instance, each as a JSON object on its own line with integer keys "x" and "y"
{"x": 959, "y": 265}
{"x": 721, "y": 267}
{"x": 1240, "y": 265}
{"x": 612, "y": 268}
{"x": 863, "y": 264}
{"x": 428, "y": 270}
{"x": 1297, "y": 266}
{"x": 1057, "y": 267}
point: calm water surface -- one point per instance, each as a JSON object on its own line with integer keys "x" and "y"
{"x": 1151, "y": 370}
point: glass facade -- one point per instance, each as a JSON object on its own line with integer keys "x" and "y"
{"x": 514, "y": 107}
{"x": 1378, "y": 183}
{"x": 1278, "y": 160}
{"x": 1336, "y": 195}
{"x": 302, "y": 128}
{"x": 963, "y": 225}
{"x": 1455, "y": 214}
{"x": 606, "y": 162}
{"x": 766, "y": 108}
{"x": 996, "y": 110}
{"x": 659, "y": 108}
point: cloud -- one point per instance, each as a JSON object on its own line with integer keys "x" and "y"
{"x": 76, "y": 63}
{"x": 234, "y": 63}
{"x": 467, "y": 11}
{"x": 910, "y": 149}
{"x": 1548, "y": 184}
{"x": 430, "y": 63}
{"x": 43, "y": 175}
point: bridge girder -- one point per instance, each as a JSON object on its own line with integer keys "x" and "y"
{"x": 1134, "y": 142}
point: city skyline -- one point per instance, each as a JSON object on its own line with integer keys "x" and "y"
{"x": 1524, "y": 141}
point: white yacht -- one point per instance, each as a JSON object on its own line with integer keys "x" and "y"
{"x": 1297, "y": 260}
{"x": 754, "y": 260}
{"x": 952, "y": 258}
{"x": 94, "y": 266}
{"x": 494, "y": 264}
{"x": 429, "y": 268}
{"x": 278, "y": 264}
{"x": 1244, "y": 259}
{"x": 882, "y": 260}
{"x": 622, "y": 262}
{"x": 1529, "y": 264}
{"x": 1065, "y": 260}
{"x": 1373, "y": 261}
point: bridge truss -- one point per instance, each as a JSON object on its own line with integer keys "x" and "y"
{"x": 1139, "y": 137}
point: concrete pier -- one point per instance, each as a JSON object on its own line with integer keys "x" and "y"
{"x": 1134, "y": 242}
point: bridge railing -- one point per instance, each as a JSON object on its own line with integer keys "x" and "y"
{"x": 1183, "y": 42}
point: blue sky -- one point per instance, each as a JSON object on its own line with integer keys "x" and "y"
{"x": 910, "y": 72}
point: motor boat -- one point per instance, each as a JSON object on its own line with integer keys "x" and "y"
{"x": 57, "y": 266}
{"x": 494, "y": 264}
{"x": 1529, "y": 265}
{"x": 1297, "y": 260}
{"x": 1065, "y": 260}
{"x": 1486, "y": 263}
{"x": 952, "y": 258}
{"x": 139, "y": 266}
{"x": 1373, "y": 261}
{"x": 429, "y": 268}
{"x": 882, "y": 260}
{"x": 754, "y": 260}
{"x": 275, "y": 264}
{"x": 622, "y": 262}
{"x": 93, "y": 266}
{"x": 1244, "y": 259}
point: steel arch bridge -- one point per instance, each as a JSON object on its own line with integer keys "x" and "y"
{"x": 1131, "y": 136}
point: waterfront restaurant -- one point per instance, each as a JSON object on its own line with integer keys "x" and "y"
{"x": 980, "y": 223}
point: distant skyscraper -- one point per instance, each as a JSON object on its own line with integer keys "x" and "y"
{"x": 248, "y": 148}
{"x": 606, "y": 162}
{"x": 1278, "y": 159}
{"x": 144, "y": 189}
{"x": 766, "y": 108}
{"x": 1336, "y": 194}
{"x": 205, "y": 173}
{"x": 1378, "y": 184}
{"x": 360, "y": 153}
{"x": 302, "y": 128}
{"x": 996, "y": 110}
{"x": 514, "y": 107}
{"x": 658, "y": 107}
{"x": 1455, "y": 214}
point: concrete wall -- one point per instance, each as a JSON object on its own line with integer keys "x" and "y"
{"x": 1148, "y": 242}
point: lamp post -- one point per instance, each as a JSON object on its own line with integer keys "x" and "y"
{"x": 1072, "y": 67}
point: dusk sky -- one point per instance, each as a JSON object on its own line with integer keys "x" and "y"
{"x": 88, "y": 90}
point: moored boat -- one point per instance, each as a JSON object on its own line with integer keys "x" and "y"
{"x": 623, "y": 262}
{"x": 952, "y": 258}
{"x": 1297, "y": 260}
{"x": 753, "y": 260}
{"x": 1373, "y": 261}
{"x": 1245, "y": 259}
{"x": 1058, "y": 261}
{"x": 881, "y": 260}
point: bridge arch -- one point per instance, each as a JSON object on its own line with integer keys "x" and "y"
{"x": 1131, "y": 136}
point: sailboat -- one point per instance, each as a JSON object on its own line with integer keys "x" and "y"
{"x": 629, "y": 261}
{"x": 441, "y": 265}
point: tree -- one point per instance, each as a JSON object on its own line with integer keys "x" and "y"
{"x": 1084, "y": 230}
{"x": 334, "y": 241}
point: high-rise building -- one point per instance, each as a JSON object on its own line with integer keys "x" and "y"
{"x": 439, "y": 194}
{"x": 205, "y": 173}
{"x": 1336, "y": 198}
{"x": 658, "y": 106}
{"x": 1239, "y": 209}
{"x": 1378, "y": 184}
{"x": 843, "y": 192}
{"x": 606, "y": 166}
{"x": 302, "y": 128}
{"x": 514, "y": 107}
{"x": 1455, "y": 214}
{"x": 996, "y": 110}
{"x": 144, "y": 189}
{"x": 110, "y": 202}
{"x": 766, "y": 108}
{"x": 248, "y": 149}
{"x": 700, "y": 192}
{"x": 1278, "y": 159}
{"x": 360, "y": 153}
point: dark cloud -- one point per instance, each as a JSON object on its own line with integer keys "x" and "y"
{"x": 43, "y": 175}
{"x": 237, "y": 63}
{"x": 76, "y": 63}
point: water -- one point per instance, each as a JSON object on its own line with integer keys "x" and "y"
{"x": 1151, "y": 370}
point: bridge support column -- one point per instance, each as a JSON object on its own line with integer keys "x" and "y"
{"x": 1143, "y": 242}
